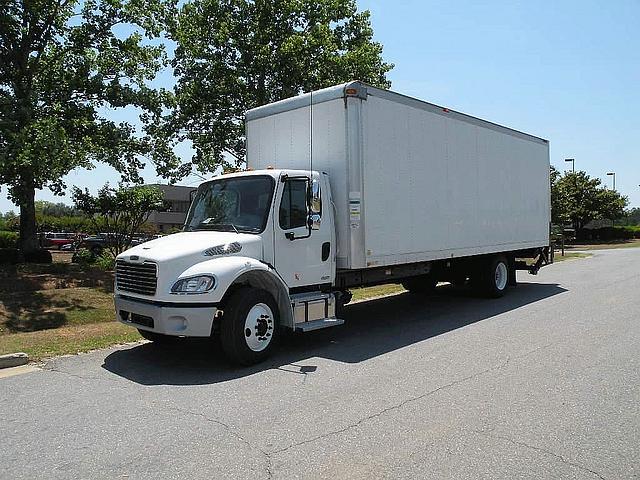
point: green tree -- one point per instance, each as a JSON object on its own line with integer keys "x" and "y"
{"x": 579, "y": 199}
{"x": 559, "y": 208}
{"x": 119, "y": 212}
{"x": 234, "y": 55}
{"x": 631, "y": 217}
{"x": 51, "y": 209}
{"x": 62, "y": 64}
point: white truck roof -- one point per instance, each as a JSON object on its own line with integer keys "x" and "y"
{"x": 363, "y": 90}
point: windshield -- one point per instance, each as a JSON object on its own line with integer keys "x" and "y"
{"x": 232, "y": 204}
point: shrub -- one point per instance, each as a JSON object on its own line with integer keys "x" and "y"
{"x": 8, "y": 239}
{"x": 10, "y": 256}
{"x": 39, "y": 255}
{"x": 84, "y": 257}
{"x": 609, "y": 233}
{"x": 106, "y": 261}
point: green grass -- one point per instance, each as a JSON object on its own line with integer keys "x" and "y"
{"x": 68, "y": 340}
{"x": 569, "y": 256}
{"x": 61, "y": 321}
{"x": 46, "y": 309}
{"x": 605, "y": 245}
{"x": 377, "y": 291}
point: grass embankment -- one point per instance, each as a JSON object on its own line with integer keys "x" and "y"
{"x": 59, "y": 321}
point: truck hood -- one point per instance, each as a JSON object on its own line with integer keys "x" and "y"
{"x": 189, "y": 247}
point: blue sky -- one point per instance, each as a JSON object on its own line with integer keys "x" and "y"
{"x": 567, "y": 71}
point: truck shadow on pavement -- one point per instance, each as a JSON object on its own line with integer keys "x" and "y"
{"x": 372, "y": 328}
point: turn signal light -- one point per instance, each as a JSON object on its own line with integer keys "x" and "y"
{"x": 351, "y": 91}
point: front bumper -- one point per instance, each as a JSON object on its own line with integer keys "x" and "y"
{"x": 189, "y": 320}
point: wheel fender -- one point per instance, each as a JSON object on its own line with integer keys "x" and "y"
{"x": 237, "y": 270}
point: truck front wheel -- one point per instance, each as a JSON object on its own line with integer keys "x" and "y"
{"x": 249, "y": 326}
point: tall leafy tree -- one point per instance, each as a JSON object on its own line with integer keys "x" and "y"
{"x": 233, "y": 55}
{"x": 579, "y": 199}
{"x": 63, "y": 63}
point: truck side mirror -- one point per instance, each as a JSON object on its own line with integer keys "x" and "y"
{"x": 315, "y": 205}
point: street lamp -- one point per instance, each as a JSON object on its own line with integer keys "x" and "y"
{"x": 614, "y": 178}
{"x": 573, "y": 163}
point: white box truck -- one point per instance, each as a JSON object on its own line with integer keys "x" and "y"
{"x": 346, "y": 187}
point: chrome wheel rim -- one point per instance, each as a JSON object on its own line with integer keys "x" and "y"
{"x": 501, "y": 276}
{"x": 258, "y": 327}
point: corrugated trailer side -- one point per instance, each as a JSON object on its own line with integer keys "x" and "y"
{"x": 438, "y": 184}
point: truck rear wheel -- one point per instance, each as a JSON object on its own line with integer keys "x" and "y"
{"x": 493, "y": 277}
{"x": 249, "y": 326}
{"x": 424, "y": 284}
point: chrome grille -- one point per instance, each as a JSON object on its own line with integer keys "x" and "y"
{"x": 136, "y": 277}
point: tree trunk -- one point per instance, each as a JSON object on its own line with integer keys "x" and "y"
{"x": 28, "y": 234}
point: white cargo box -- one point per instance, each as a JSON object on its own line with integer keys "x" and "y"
{"x": 411, "y": 181}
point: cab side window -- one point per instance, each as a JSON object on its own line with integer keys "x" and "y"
{"x": 293, "y": 207}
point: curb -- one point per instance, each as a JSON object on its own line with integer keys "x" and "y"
{"x": 13, "y": 360}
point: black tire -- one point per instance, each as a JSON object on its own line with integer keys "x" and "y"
{"x": 158, "y": 338}
{"x": 423, "y": 284}
{"x": 235, "y": 338}
{"x": 488, "y": 281}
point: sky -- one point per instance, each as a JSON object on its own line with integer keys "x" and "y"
{"x": 566, "y": 71}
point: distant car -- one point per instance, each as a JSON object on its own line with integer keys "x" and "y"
{"x": 95, "y": 243}
{"x": 57, "y": 240}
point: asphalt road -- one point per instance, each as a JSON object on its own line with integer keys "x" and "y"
{"x": 544, "y": 383}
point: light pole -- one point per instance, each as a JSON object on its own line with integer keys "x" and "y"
{"x": 573, "y": 163}
{"x": 614, "y": 178}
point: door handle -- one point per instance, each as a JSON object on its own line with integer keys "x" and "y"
{"x": 326, "y": 249}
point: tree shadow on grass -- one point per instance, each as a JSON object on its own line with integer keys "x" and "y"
{"x": 373, "y": 328}
{"x": 34, "y": 311}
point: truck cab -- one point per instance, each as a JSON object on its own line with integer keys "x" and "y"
{"x": 257, "y": 255}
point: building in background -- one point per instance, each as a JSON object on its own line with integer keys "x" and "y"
{"x": 177, "y": 199}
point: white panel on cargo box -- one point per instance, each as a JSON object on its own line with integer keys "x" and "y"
{"x": 437, "y": 186}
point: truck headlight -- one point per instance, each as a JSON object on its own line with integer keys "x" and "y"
{"x": 199, "y": 284}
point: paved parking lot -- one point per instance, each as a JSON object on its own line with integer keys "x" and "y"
{"x": 544, "y": 383}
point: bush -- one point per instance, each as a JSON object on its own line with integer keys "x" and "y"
{"x": 609, "y": 233}
{"x": 105, "y": 261}
{"x": 84, "y": 257}
{"x": 39, "y": 255}
{"x": 8, "y": 239}
{"x": 10, "y": 256}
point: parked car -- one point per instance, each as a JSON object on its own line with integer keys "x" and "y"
{"x": 97, "y": 243}
{"x": 57, "y": 240}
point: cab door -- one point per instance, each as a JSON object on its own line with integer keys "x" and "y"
{"x": 303, "y": 256}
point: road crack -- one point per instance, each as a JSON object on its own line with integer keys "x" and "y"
{"x": 397, "y": 406}
{"x": 540, "y": 449}
{"x": 405, "y": 402}
{"x": 232, "y": 432}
